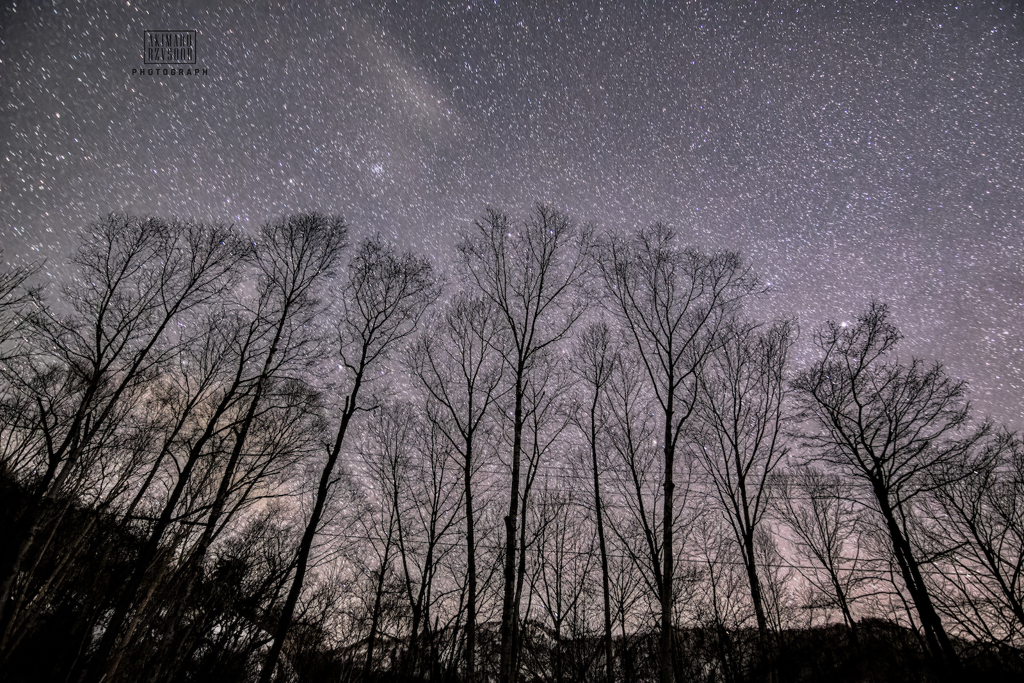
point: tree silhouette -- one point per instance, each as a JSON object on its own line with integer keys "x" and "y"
{"x": 383, "y": 297}
{"x": 533, "y": 274}
{"x": 673, "y": 304}
{"x": 890, "y": 425}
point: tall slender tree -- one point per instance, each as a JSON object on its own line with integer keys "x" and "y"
{"x": 434, "y": 502}
{"x": 534, "y": 276}
{"x": 459, "y": 366}
{"x": 741, "y": 436}
{"x": 595, "y": 358}
{"x": 674, "y": 304}
{"x": 383, "y": 297}
{"x": 546, "y": 413}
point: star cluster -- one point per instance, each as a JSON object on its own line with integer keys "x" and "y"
{"x": 851, "y": 150}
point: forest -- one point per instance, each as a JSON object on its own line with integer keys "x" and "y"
{"x": 296, "y": 454}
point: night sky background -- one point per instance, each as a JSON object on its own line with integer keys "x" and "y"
{"x": 850, "y": 152}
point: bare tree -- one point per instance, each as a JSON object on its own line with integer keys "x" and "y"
{"x": 533, "y": 274}
{"x": 436, "y": 501}
{"x": 719, "y": 605}
{"x": 201, "y": 410}
{"x": 637, "y": 477}
{"x": 627, "y": 596}
{"x": 460, "y": 367}
{"x": 546, "y": 416}
{"x": 565, "y": 555}
{"x": 631, "y": 435}
{"x": 979, "y": 506}
{"x": 412, "y": 468}
{"x": 741, "y": 440}
{"x": 383, "y": 298}
{"x": 112, "y": 333}
{"x": 889, "y": 425}
{"x": 293, "y": 255}
{"x": 186, "y": 386}
{"x": 388, "y": 461}
{"x": 283, "y": 432}
{"x": 820, "y": 510}
{"x": 595, "y": 359}
{"x": 673, "y": 304}
{"x": 213, "y": 631}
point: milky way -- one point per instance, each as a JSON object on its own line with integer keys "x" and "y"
{"x": 851, "y": 153}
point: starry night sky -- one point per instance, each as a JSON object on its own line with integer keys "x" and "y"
{"x": 875, "y": 151}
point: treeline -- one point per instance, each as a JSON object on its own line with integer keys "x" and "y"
{"x": 284, "y": 456}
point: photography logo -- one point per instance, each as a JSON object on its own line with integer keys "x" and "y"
{"x": 169, "y": 53}
{"x": 169, "y": 47}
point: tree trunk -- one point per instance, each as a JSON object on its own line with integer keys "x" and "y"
{"x": 605, "y": 592}
{"x": 520, "y": 579}
{"x": 844, "y": 607}
{"x": 306, "y": 545}
{"x": 471, "y": 568}
{"x": 508, "y": 606}
{"x": 371, "y": 640}
{"x": 755, "y": 592}
{"x": 667, "y": 674}
{"x": 939, "y": 645}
